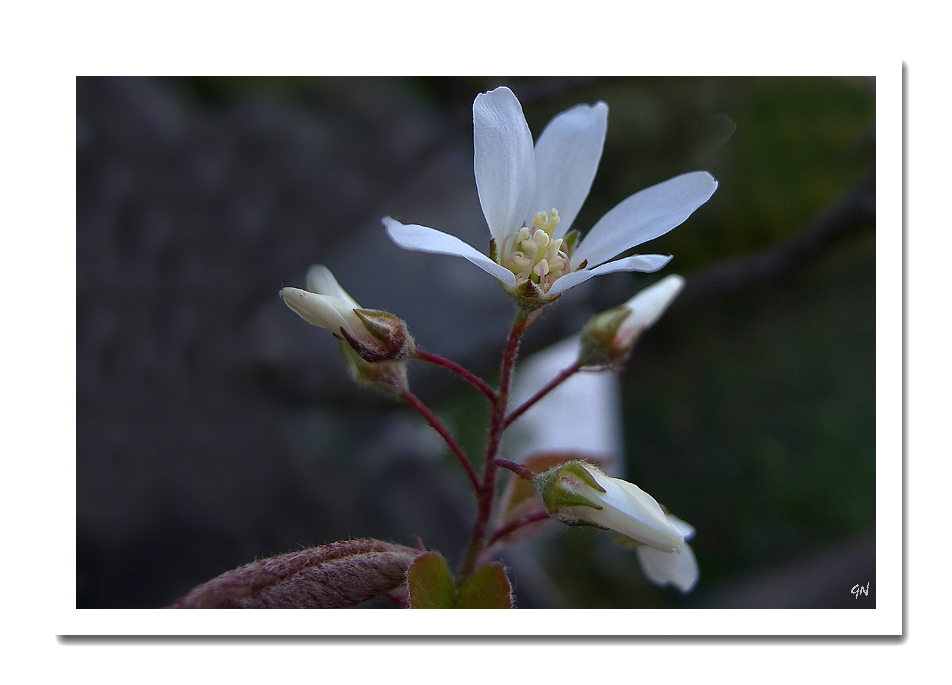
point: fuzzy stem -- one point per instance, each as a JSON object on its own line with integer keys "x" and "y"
{"x": 516, "y": 525}
{"x": 463, "y": 373}
{"x": 438, "y": 426}
{"x": 518, "y": 469}
{"x": 564, "y": 375}
{"x": 487, "y": 493}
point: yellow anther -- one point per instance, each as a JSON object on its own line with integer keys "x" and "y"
{"x": 531, "y": 253}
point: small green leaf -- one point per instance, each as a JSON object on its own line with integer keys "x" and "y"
{"x": 487, "y": 588}
{"x": 430, "y": 582}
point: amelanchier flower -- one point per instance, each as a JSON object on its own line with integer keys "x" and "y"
{"x": 375, "y": 335}
{"x": 671, "y": 568}
{"x": 374, "y": 343}
{"x": 609, "y": 337}
{"x": 578, "y": 493}
{"x": 530, "y": 196}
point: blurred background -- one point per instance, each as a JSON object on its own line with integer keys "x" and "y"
{"x": 214, "y": 426}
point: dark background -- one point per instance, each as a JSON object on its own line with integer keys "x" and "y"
{"x": 214, "y": 426}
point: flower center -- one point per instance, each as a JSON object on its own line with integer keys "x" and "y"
{"x": 532, "y": 254}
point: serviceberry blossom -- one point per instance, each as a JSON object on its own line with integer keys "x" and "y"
{"x": 375, "y": 335}
{"x": 671, "y": 568}
{"x": 582, "y": 416}
{"x": 578, "y": 493}
{"x": 325, "y": 303}
{"x": 609, "y": 337}
{"x": 531, "y": 195}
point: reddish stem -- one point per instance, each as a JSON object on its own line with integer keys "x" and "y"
{"x": 516, "y": 525}
{"x": 463, "y": 373}
{"x": 438, "y": 426}
{"x": 487, "y": 493}
{"x": 518, "y": 469}
{"x": 564, "y": 375}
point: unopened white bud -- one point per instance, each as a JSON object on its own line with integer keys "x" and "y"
{"x": 609, "y": 337}
{"x": 375, "y": 335}
{"x": 578, "y": 493}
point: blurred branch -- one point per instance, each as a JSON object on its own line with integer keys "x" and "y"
{"x": 854, "y": 212}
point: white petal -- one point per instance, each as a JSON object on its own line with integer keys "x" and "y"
{"x": 687, "y": 530}
{"x": 644, "y": 216}
{"x": 629, "y": 510}
{"x": 567, "y": 155}
{"x": 646, "y": 263}
{"x": 320, "y": 280}
{"x": 583, "y": 414}
{"x": 505, "y": 161}
{"x": 648, "y": 305}
{"x": 675, "y": 568}
{"x": 325, "y": 311}
{"x": 424, "y": 239}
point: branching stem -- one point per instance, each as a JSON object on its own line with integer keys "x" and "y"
{"x": 518, "y": 469}
{"x": 438, "y": 426}
{"x": 477, "y": 542}
{"x": 516, "y": 525}
{"x": 463, "y": 373}
{"x": 550, "y": 386}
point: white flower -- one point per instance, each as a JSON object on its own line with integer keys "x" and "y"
{"x": 325, "y": 303}
{"x": 609, "y": 337}
{"x": 645, "y": 308}
{"x": 578, "y": 493}
{"x": 586, "y": 417}
{"x": 671, "y": 568}
{"x": 375, "y": 335}
{"x": 530, "y": 195}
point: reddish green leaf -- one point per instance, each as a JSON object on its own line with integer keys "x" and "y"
{"x": 430, "y": 582}
{"x": 487, "y": 588}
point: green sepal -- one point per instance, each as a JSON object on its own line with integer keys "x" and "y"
{"x": 430, "y": 583}
{"x": 380, "y": 324}
{"x": 528, "y": 296}
{"x": 487, "y": 588}
{"x": 493, "y": 250}
{"x": 598, "y": 338}
{"x": 389, "y": 378}
{"x": 556, "y": 497}
{"x": 393, "y": 341}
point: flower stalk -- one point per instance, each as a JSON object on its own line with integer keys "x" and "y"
{"x": 487, "y": 493}
{"x": 438, "y": 426}
{"x": 463, "y": 373}
{"x": 563, "y": 376}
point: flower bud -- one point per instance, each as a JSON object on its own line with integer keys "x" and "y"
{"x": 389, "y": 377}
{"x": 375, "y": 335}
{"x": 671, "y": 568}
{"x": 609, "y": 337}
{"x": 579, "y": 494}
{"x": 388, "y": 339}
